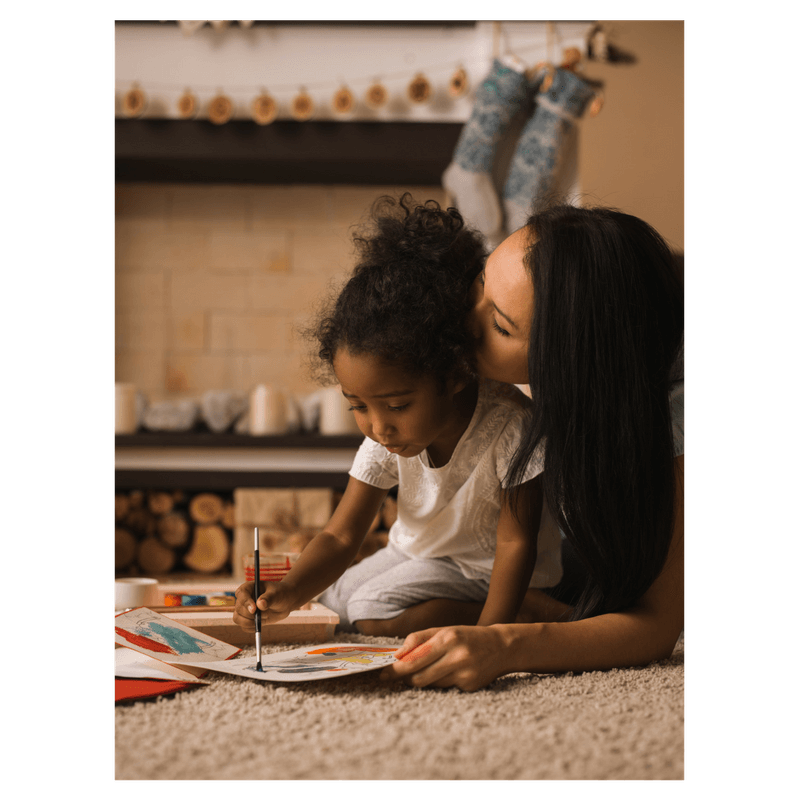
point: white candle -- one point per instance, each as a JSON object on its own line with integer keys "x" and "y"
{"x": 335, "y": 417}
{"x": 268, "y": 411}
{"x": 125, "y": 419}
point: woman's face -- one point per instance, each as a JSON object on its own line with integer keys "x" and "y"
{"x": 501, "y": 316}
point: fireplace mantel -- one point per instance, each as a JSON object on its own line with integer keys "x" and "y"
{"x": 324, "y": 152}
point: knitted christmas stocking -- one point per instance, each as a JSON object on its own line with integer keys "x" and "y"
{"x": 468, "y": 177}
{"x": 536, "y": 156}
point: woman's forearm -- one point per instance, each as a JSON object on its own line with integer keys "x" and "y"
{"x": 612, "y": 640}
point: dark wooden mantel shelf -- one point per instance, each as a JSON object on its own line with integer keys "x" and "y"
{"x": 285, "y": 152}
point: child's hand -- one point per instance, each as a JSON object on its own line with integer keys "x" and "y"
{"x": 276, "y": 603}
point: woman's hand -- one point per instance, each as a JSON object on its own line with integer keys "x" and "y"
{"x": 276, "y": 603}
{"x": 465, "y": 656}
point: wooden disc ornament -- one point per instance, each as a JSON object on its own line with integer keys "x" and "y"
{"x": 343, "y": 101}
{"x": 459, "y": 83}
{"x": 220, "y": 109}
{"x": 187, "y": 105}
{"x": 264, "y": 109}
{"x": 547, "y": 81}
{"x": 376, "y": 96}
{"x": 134, "y": 102}
{"x": 571, "y": 58}
{"x": 596, "y": 105}
{"x": 302, "y": 106}
{"x": 419, "y": 90}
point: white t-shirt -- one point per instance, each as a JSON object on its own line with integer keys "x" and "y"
{"x": 452, "y": 511}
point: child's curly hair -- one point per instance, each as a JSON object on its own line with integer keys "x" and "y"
{"x": 408, "y": 297}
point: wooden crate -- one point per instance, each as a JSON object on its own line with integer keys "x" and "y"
{"x": 286, "y": 519}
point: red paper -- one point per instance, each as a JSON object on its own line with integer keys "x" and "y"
{"x": 140, "y": 688}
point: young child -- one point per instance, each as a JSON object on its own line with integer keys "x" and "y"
{"x": 397, "y": 343}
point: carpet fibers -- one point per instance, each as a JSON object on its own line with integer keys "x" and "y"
{"x": 616, "y": 725}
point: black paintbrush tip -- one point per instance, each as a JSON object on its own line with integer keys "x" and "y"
{"x": 258, "y": 668}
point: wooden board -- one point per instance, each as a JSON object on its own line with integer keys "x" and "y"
{"x": 314, "y": 624}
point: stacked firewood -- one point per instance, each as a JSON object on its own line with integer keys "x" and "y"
{"x": 157, "y": 532}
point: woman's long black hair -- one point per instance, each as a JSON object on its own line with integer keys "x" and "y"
{"x": 408, "y": 296}
{"x": 607, "y": 328}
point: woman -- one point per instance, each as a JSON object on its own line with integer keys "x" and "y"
{"x": 586, "y": 307}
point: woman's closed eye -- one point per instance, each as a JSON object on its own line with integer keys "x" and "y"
{"x": 501, "y": 331}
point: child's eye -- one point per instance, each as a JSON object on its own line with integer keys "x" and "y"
{"x": 398, "y": 408}
{"x": 500, "y": 330}
{"x": 356, "y": 408}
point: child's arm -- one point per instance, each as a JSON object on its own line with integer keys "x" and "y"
{"x": 515, "y": 556}
{"x": 322, "y": 561}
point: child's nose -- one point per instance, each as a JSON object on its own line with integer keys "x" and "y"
{"x": 381, "y": 426}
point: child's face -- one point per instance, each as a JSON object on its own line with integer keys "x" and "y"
{"x": 405, "y": 413}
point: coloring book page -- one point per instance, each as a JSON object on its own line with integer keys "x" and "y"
{"x": 163, "y": 638}
{"x": 312, "y": 663}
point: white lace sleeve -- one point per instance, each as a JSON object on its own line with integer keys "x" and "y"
{"x": 375, "y": 465}
{"x": 507, "y": 444}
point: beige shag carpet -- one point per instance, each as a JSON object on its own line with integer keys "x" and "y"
{"x": 618, "y": 725}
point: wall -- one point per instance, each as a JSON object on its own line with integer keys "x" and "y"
{"x": 210, "y": 280}
{"x": 631, "y": 154}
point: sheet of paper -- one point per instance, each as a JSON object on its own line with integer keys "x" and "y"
{"x": 311, "y": 663}
{"x": 168, "y": 640}
{"x": 132, "y": 664}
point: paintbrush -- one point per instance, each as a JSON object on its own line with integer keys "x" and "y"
{"x": 258, "y": 613}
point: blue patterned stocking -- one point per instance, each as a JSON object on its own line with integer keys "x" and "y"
{"x": 536, "y": 155}
{"x": 468, "y": 177}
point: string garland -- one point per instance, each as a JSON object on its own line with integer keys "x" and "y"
{"x": 264, "y": 108}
